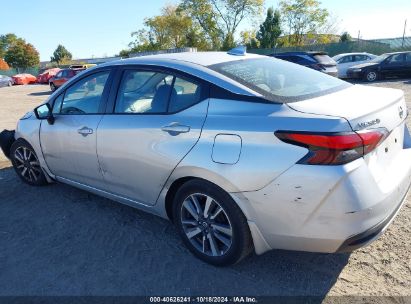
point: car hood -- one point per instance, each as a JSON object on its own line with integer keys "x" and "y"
{"x": 364, "y": 65}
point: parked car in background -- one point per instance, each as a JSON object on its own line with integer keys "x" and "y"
{"x": 62, "y": 77}
{"x": 239, "y": 151}
{"x": 6, "y": 81}
{"x": 396, "y": 64}
{"x": 45, "y": 76}
{"x": 82, "y": 66}
{"x": 347, "y": 60}
{"x": 319, "y": 61}
{"x": 24, "y": 79}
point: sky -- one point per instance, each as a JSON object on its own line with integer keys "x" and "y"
{"x": 102, "y": 28}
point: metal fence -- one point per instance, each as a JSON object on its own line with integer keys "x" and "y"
{"x": 377, "y": 47}
{"x": 11, "y": 72}
{"x": 177, "y": 50}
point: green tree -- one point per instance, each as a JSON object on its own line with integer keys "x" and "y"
{"x": 221, "y": 18}
{"x": 302, "y": 17}
{"x": 22, "y": 55}
{"x": 172, "y": 29}
{"x": 270, "y": 29}
{"x": 6, "y": 41}
{"x": 248, "y": 38}
{"x": 61, "y": 55}
{"x": 345, "y": 37}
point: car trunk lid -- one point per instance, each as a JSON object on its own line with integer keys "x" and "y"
{"x": 364, "y": 107}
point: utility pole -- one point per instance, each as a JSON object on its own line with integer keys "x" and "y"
{"x": 403, "y": 34}
{"x": 358, "y": 39}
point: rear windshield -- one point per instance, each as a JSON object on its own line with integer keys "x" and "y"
{"x": 324, "y": 59}
{"x": 279, "y": 80}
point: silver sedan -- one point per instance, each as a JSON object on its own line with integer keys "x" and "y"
{"x": 242, "y": 152}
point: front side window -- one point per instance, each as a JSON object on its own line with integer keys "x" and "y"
{"x": 154, "y": 92}
{"x": 84, "y": 97}
{"x": 345, "y": 59}
{"x": 395, "y": 59}
{"x": 408, "y": 57}
{"x": 280, "y": 81}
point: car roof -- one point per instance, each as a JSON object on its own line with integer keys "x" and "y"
{"x": 199, "y": 58}
{"x": 393, "y": 53}
{"x": 193, "y": 63}
{"x": 300, "y": 53}
{"x": 353, "y": 53}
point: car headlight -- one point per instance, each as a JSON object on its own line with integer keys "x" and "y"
{"x": 27, "y": 115}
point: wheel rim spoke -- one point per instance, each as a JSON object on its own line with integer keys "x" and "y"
{"x": 190, "y": 208}
{"x": 213, "y": 245}
{"x": 189, "y": 222}
{"x": 216, "y": 213}
{"x": 196, "y": 204}
{"x": 208, "y": 202}
{"x": 222, "y": 228}
{"x": 193, "y": 232}
{"x": 222, "y": 239}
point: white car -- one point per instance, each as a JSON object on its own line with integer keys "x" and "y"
{"x": 242, "y": 152}
{"x": 347, "y": 60}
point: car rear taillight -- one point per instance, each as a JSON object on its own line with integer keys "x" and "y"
{"x": 333, "y": 148}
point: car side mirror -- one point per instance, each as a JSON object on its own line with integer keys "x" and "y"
{"x": 44, "y": 112}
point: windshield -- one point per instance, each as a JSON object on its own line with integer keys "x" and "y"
{"x": 380, "y": 58}
{"x": 279, "y": 80}
{"x": 324, "y": 59}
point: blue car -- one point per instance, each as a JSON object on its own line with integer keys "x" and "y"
{"x": 5, "y": 81}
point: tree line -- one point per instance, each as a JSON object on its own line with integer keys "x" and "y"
{"x": 206, "y": 25}
{"x": 214, "y": 25}
{"x": 15, "y": 52}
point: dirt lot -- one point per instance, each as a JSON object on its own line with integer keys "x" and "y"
{"x": 57, "y": 240}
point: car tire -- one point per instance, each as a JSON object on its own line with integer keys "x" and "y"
{"x": 52, "y": 87}
{"x": 26, "y": 163}
{"x": 371, "y": 76}
{"x": 211, "y": 224}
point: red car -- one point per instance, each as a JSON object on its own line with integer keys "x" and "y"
{"x": 24, "y": 79}
{"x": 62, "y": 77}
{"x": 47, "y": 75}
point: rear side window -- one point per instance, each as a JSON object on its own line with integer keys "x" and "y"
{"x": 324, "y": 59}
{"x": 187, "y": 94}
{"x": 278, "y": 80}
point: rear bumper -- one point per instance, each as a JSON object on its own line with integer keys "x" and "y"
{"x": 371, "y": 234}
{"x": 6, "y": 140}
{"x": 328, "y": 209}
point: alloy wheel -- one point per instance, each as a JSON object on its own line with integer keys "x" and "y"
{"x": 371, "y": 76}
{"x": 27, "y": 164}
{"x": 206, "y": 225}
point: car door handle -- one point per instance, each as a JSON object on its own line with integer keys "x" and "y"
{"x": 85, "y": 131}
{"x": 175, "y": 128}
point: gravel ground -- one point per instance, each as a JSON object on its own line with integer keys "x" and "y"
{"x": 58, "y": 240}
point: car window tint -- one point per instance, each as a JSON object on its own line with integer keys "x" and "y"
{"x": 57, "y": 104}
{"x": 361, "y": 57}
{"x": 187, "y": 94}
{"x": 345, "y": 59}
{"x": 408, "y": 57}
{"x": 395, "y": 59}
{"x": 84, "y": 96}
{"x": 144, "y": 92}
{"x": 279, "y": 81}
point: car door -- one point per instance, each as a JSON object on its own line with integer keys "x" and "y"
{"x": 407, "y": 64}
{"x": 69, "y": 144}
{"x": 393, "y": 65}
{"x": 156, "y": 120}
{"x": 343, "y": 64}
